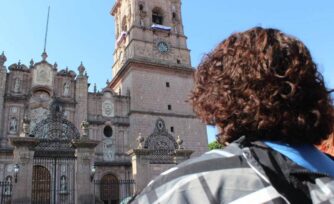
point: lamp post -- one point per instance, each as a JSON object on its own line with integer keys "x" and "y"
{"x": 16, "y": 171}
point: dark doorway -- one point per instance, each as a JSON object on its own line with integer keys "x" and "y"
{"x": 109, "y": 189}
{"x": 41, "y": 185}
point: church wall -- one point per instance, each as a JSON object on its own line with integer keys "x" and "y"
{"x": 150, "y": 92}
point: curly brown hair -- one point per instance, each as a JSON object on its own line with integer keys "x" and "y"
{"x": 263, "y": 84}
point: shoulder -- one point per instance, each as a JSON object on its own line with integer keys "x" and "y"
{"x": 216, "y": 176}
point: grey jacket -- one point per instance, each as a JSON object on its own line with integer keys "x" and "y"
{"x": 240, "y": 173}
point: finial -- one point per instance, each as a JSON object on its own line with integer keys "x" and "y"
{"x": 44, "y": 56}
{"x": 107, "y": 82}
{"x": 55, "y": 65}
{"x": 179, "y": 142}
{"x": 86, "y": 75}
{"x": 81, "y": 69}
{"x": 19, "y": 63}
{"x": 66, "y": 69}
{"x": 94, "y": 87}
{"x": 3, "y": 59}
{"x": 32, "y": 63}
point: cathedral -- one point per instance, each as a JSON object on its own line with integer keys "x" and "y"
{"x": 60, "y": 143}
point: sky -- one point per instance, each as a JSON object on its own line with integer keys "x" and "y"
{"x": 84, "y": 30}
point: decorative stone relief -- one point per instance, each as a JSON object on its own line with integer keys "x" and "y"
{"x": 13, "y": 110}
{"x": 108, "y": 150}
{"x": 17, "y": 85}
{"x": 43, "y": 75}
{"x": 107, "y": 108}
{"x": 160, "y": 139}
{"x": 10, "y": 167}
{"x": 37, "y": 115}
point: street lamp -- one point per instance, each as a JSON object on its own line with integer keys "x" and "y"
{"x": 16, "y": 171}
{"x": 93, "y": 170}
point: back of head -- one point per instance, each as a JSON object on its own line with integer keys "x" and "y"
{"x": 263, "y": 84}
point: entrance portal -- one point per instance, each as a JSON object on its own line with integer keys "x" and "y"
{"x": 41, "y": 185}
{"x": 109, "y": 189}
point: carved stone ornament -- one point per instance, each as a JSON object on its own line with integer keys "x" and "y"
{"x": 160, "y": 139}
{"x": 55, "y": 132}
{"x": 107, "y": 108}
{"x": 85, "y": 129}
{"x": 108, "y": 150}
{"x": 43, "y": 75}
{"x": 140, "y": 140}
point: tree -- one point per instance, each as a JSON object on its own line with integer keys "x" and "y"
{"x": 215, "y": 145}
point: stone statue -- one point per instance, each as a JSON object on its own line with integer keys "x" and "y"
{"x": 17, "y": 84}
{"x": 140, "y": 140}
{"x": 13, "y": 125}
{"x": 85, "y": 129}
{"x": 25, "y": 127}
{"x": 63, "y": 184}
{"x": 67, "y": 88}
{"x": 179, "y": 142}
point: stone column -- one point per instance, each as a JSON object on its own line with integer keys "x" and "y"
{"x": 140, "y": 165}
{"x": 85, "y": 150}
{"x": 23, "y": 157}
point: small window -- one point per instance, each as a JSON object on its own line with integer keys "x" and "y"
{"x": 141, "y": 7}
{"x": 178, "y": 61}
{"x": 172, "y": 129}
{"x": 107, "y": 131}
{"x": 169, "y": 107}
{"x": 167, "y": 84}
{"x": 157, "y": 17}
{"x": 174, "y": 16}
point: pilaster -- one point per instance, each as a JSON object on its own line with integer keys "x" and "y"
{"x": 85, "y": 150}
{"x": 23, "y": 159}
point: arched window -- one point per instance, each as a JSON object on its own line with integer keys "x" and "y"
{"x": 157, "y": 17}
{"x": 124, "y": 24}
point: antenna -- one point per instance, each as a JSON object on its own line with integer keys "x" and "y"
{"x": 46, "y": 30}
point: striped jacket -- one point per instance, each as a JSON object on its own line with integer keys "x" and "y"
{"x": 241, "y": 173}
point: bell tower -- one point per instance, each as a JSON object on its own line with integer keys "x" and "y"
{"x": 152, "y": 65}
{"x": 150, "y": 31}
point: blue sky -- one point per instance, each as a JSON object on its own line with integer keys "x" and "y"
{"x": 84, "y": 30}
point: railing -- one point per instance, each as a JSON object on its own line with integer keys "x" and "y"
{"x": 6, "y": 192}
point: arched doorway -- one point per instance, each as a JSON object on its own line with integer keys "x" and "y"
{"x": 41, "y": 185}
{"x": 109, "y": 189}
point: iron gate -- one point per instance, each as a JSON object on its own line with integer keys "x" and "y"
{"x": 6, "y": 191}
{"x": 53, "y": 180}
{"x": 109, "y": 190}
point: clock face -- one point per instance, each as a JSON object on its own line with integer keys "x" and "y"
{"x": 163, "y": 47}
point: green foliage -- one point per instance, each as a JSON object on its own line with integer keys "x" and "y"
{"x": 215, "y": 145}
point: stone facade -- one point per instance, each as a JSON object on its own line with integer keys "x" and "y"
{"x": 152, "y": 79}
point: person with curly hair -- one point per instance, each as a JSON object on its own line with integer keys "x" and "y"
{"x": 263, "y": 91}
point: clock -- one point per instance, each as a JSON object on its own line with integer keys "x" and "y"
{"x": 163, "y": 47}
